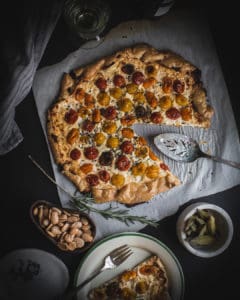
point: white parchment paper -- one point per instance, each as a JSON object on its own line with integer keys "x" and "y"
{"x": 188, "y": 36}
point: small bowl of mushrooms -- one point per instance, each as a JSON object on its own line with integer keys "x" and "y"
{"x": 204, "y": 229}
{"x": 70, "y": 230}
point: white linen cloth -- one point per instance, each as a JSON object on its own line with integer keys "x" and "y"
{"x": 187, "y": 35}
{"x": 22, "y": 52}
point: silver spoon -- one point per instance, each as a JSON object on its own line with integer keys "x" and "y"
{"x": 183, "y": 148}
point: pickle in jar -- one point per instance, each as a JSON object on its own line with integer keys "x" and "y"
{"x": 200, "y": 228}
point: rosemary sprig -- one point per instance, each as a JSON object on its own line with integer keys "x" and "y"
{"x": 83, "y": 203}
{"x": 121, "y": 215}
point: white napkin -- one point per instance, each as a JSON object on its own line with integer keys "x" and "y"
{"x": 22, "y": 52}
{"x": 187, "y": 35}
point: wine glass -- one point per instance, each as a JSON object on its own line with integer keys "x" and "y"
{"x": 87, "y": 18}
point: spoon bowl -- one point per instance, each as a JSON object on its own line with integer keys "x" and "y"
{"x": 182, "y": 148}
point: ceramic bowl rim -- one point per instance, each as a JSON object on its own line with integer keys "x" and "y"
{"x": 190, "y": 210}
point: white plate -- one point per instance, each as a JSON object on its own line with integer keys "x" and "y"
{"x": 143, "y": 246}
{"x": 32, "y": 274}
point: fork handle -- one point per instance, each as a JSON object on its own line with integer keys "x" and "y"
{"x": 224, "y": 161}
{"x": 73, "y": 291}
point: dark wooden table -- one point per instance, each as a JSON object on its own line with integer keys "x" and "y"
{"x": 22, "y": 183}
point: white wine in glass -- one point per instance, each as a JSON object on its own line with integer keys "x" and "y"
{"x": 87, "y": 18}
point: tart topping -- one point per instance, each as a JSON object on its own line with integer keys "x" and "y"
{"x": 96, "y": 116}
{"x": 71, "y": 116}
{"x": 118, "y": 180}
{"x": 139, "y": 97}
{"x": 141, "y": 287}
{"x": 119, "y": 81}
{"x": 83, "y": 112}
{"x": 123, "y": 163}
{"x": 92, "y": 179}
{"x": 89, "y": 101}
{"x": 88, "y": 125}
{"x": 165, "y": 102}
{"x": 151, "y": 99}
{"x": 128, "y": 275}
{"x": 75, "y": 154}
{"x": 113, "y": 142}
{"x": 128, "y": 120}
{"x": 152, "y": 172}
{"x": 178, "y": 86}
{"x": 164, "y": 166}
{"x": 186, "y": 113}
{"x": 156, "y": 117}
{"x": 128, "y": 69}
{"x": 138, "y": 77}
{"x": 173, "y": 113}
{"x": 110, "y": 113}
{"x": 101, "y": 83}
{"x": 104, "y": 175}
{"x": 99, "y": 138}
{"x": 103, "y": 99}
{"x": 167, "y": 85}
{"x": 147, "y": 270}
{"x": 131, "y": 88}
{"x": 113, "y": 291}
{"x": 72, "y": 136}
{"x": 127, "y": 133}
{"x": 181, "y": 100}
{"x": 106, "y": 158}
{"x": 150, "y": 69}
{"x": 86, "y": 168}
{"x": 109, "y": 127}
{"x": 152, "y": 155}
{"x": 79, "y": 94}
{"x": 125, "y": 105}
{"x": 142, "y": 151}
{"x": 127, "y": 147}
{"x": 116, "y": 93}
{"x": 139, "y": 169}
{"x": 141, "y": 112}
{"x": 148, "y": 83}
{"x": 91, "y": 153}
{"x": 141, "y": 141}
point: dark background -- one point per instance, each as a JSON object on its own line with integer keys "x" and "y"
{"x": 22, "y": 183}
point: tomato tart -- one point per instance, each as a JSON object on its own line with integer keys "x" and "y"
{"x": 148, "y": 280}
{"x": 90, "y": 125}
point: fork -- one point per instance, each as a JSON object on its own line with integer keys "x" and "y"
{"x": 111, "y": 261}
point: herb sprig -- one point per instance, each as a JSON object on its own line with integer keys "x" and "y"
{"x": 84, "y": 204}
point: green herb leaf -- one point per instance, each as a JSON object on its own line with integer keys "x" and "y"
{"x": 85, "y": 204}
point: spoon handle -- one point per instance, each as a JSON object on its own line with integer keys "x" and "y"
{"x": 222, "y": 160}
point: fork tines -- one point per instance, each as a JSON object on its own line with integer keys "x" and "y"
{"x": 120, "y": 254}
{"x": 119, "y": 250}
